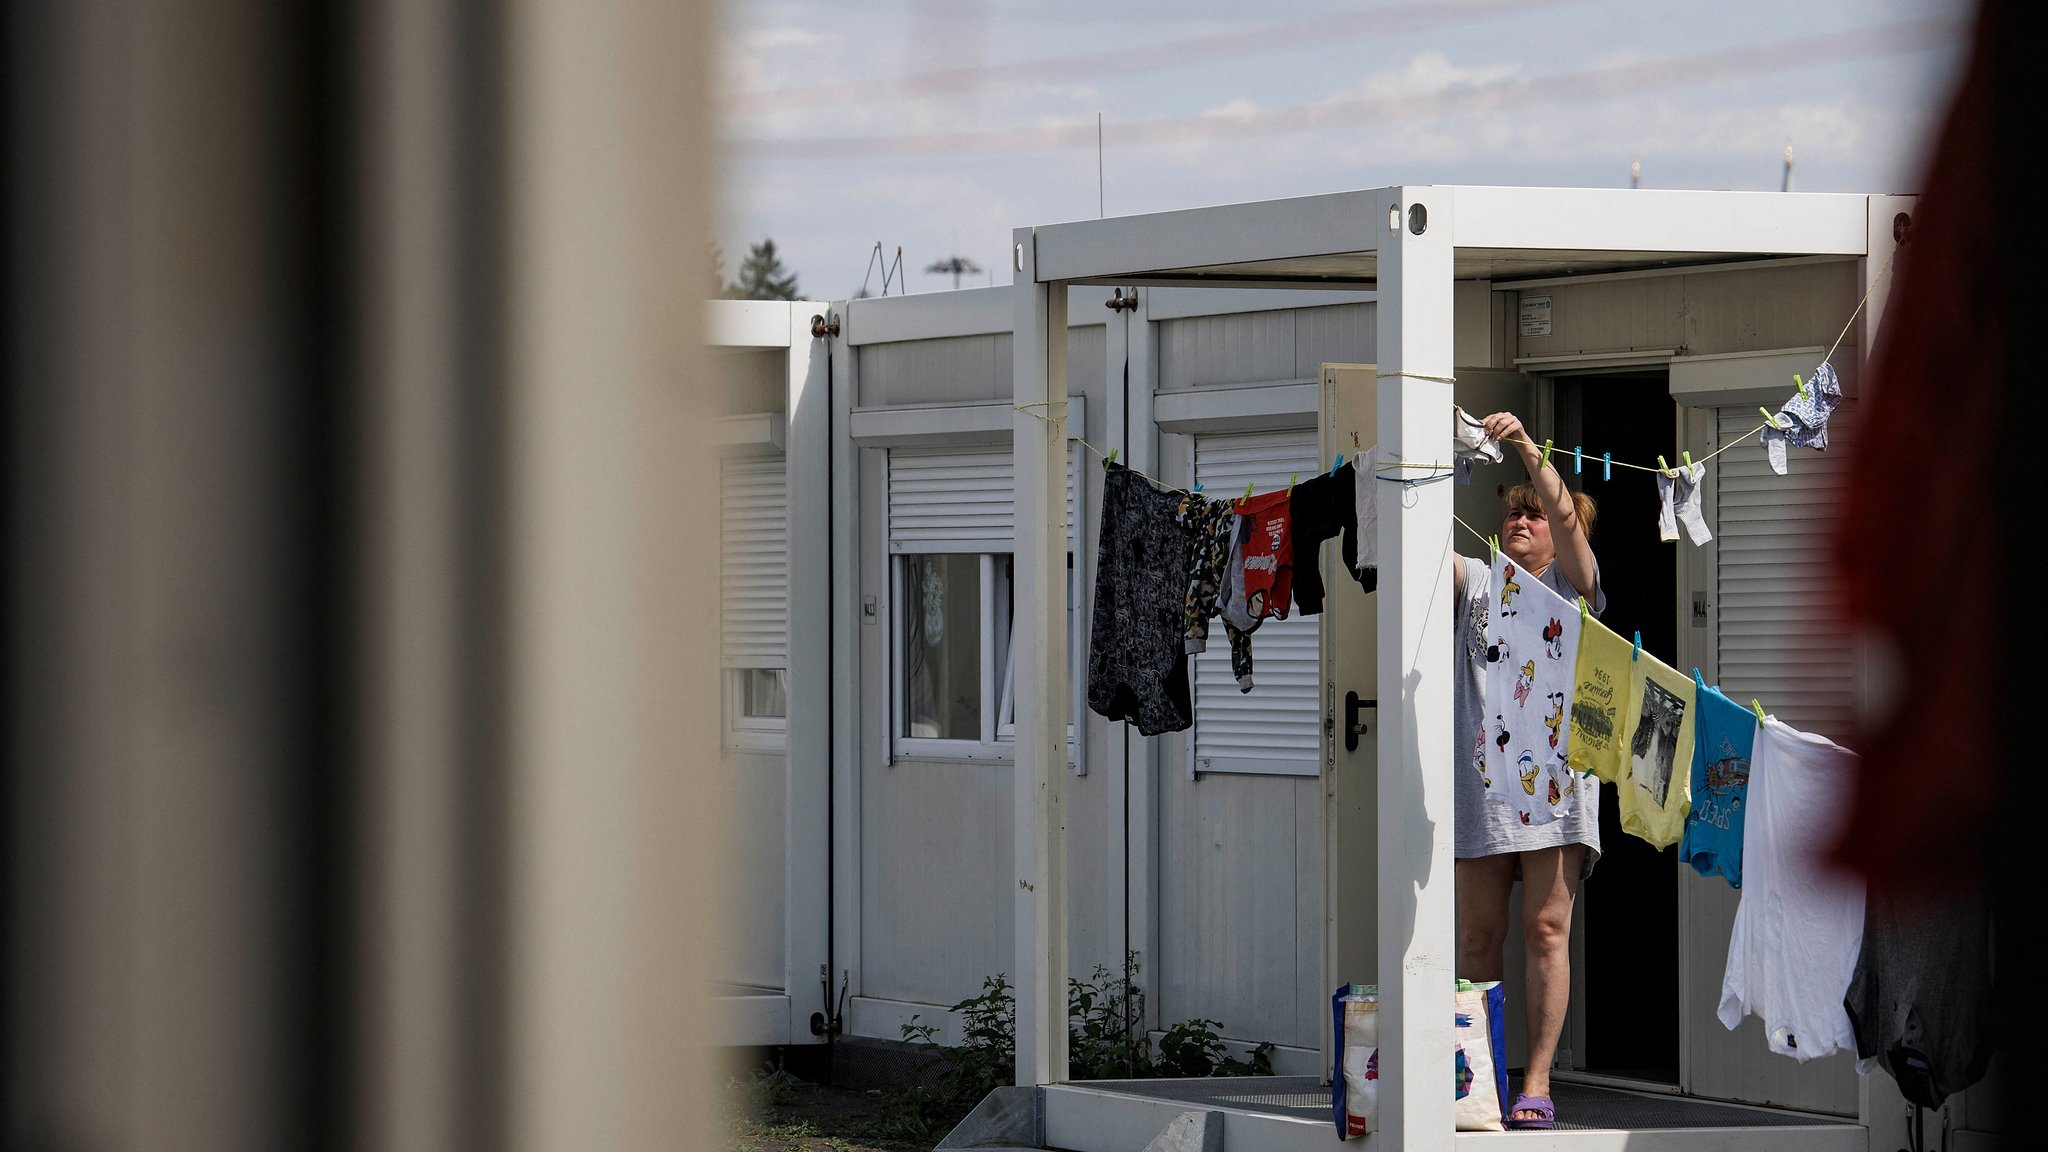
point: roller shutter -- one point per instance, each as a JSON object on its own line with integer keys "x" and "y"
{"x": 1276, "y": 727}
{"x": 957, "y": 501}
{"x": 1778, "y": 640}
{"x": 753, "y": 560}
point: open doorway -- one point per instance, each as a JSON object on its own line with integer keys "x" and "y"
{"x": 1629, "y": 965}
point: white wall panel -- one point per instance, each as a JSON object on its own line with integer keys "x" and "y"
{"x": 1235, "y": 860}
{"x": 936, "y": 872}
{"x": 1246, "y": 348}
{"x": 1704, "y": 313}
{"x": 756, "y": 790}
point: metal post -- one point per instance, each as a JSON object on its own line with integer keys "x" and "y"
{"x": 808, "y": 754}
{"x": 1039, "y": 641}
{"x": 1416, "y": 908}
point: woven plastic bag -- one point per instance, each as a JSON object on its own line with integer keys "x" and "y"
{"x": 1355, "y": 1081}
{"x": 1478, "y": 1058}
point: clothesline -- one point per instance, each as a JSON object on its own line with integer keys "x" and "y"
{"x": 1059, "y": 423}
{"x": 1607, "y": 462}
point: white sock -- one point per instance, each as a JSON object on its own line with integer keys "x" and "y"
{"x": 1678, "y": 502}
{"x": 1774, "y": 449}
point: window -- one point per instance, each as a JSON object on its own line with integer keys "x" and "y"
{"x": 753, "y": 626}
{"x": 764, "y": 694}
{"x": 951, "y": 597}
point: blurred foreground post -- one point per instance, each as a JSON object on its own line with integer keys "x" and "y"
{"x": 358, "y": 772}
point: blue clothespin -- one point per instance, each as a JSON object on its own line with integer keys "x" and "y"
{"x": 1198, "y": 485}
{"x": 1607, "y": 465}
{"x": 1578, "y": 460}
{"x": 1336, "y": 464}
{"x": 1639, "y": 647}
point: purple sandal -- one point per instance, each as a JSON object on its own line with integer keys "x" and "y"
{"x": 1543, "y": 1106}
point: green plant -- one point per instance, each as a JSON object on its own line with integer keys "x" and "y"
{"x": 1192, "y": 1048}
{"x": 1106, "y": 1039}
{"x": 953, "y": 1079}
{"x": 1106, "y": 1031}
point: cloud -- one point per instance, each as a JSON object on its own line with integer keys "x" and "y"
{"x": 1425, "y": 74}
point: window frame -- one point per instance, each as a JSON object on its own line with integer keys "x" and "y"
{"x": 997, "y": 740}
{"x": 752, "y": 733}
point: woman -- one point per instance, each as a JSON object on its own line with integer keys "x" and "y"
{"x": 1544, "y": 531}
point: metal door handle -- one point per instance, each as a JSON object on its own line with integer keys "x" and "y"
{"x": 1353, "y": 727}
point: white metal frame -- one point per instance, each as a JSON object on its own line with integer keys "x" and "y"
{"x": 1374, "y": 238}
{"x": 804, "y": 432}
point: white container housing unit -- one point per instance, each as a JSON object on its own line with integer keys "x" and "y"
{"x": 939, "y": 568}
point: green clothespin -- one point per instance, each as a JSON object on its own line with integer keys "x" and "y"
{"x": 1291, "y": 478}
{"x": 1493, "y": 547}
{"x": 1582, "y": 608}
{"x": 1758, "y": 708}
{"x": 1545, "y": 462}
{"x": 1109, "y": 459}
{"x": 1801, "y": 384}
{"x": 1247, "y": 494}
{"x": 1663, "y": 467}
{"x": 1688, "y": 460}
{"x": 1768, "y": 418}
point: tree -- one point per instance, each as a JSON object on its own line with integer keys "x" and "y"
{"x": 719, "y": 286}
{"x": 762, "y": 276}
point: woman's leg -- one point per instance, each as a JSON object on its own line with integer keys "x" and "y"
{"x": 1483, "y": 886}
{"x": 1550, "y": 884}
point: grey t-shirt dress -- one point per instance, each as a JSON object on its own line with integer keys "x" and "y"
{"x": 1488, "y": 827}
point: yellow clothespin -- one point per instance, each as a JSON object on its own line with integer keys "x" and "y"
{"x": 1757, "y": 706}
{"x": 1545, "y": 462}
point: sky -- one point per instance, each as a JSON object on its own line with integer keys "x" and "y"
{"x": 937, "y": 126}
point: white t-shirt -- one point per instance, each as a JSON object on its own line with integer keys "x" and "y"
{"x": 1799, "y": 926}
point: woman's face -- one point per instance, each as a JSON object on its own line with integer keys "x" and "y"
{"x": 1525, "y": 537}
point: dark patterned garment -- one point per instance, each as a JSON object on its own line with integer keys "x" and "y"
{"x": 1137, "y": 663}
{"x": 1210, "y": 526}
